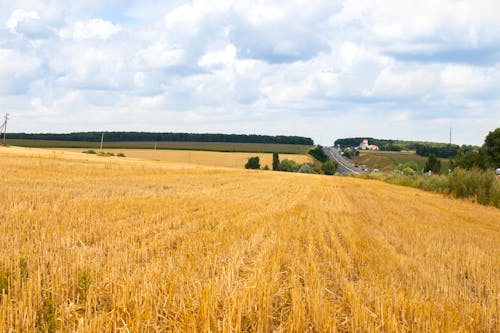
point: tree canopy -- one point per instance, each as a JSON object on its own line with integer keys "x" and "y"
{"x": 149, "y": 136}
{"x": 487, "y": 156}
{"x": 318, "y": 154}
{"x": 329, "y": 168}
{"x": 276, "y": 161}
{"x": 492, "y": 148}
{"x": 432, "y": 164}
{"x": 253, "y": 163}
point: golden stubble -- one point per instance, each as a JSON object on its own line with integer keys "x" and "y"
{"x": 100, "y": 244}
{"x": 207, "y": 158}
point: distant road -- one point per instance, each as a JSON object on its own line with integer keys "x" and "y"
{"x": 345, "y": 166}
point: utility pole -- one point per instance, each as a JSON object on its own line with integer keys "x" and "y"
{"x": 102, "y": 139}
{"x": 4, "y": 126}
{"x": 450, "y": 136}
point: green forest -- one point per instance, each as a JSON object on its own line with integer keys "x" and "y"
{"x": 158, "y": 137}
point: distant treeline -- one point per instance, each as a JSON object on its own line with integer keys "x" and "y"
{"x": 439, "y": 150}
{"x": 147, "y": 136}
{"x": 422, "y": 148}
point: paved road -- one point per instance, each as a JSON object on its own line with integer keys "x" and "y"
{"x": 345, "y": 166}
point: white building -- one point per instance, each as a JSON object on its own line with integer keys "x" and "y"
{"x": 365, "y": 146}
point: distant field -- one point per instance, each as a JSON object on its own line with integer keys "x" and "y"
{"x": 222, "y": 159}
{"x": 108, "y": 244}
{"x": 388, "y": 160}
{"x": 208, "y": 146}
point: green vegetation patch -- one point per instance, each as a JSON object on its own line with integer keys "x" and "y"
{"x": 318, "y": 153}
{"x": 388, "y": 161}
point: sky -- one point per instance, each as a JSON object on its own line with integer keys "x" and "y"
{"x": 321, "y": 69}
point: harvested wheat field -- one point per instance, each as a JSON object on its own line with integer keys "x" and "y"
{"x": 100, "y": 244}
{"x": 210, "y": 158}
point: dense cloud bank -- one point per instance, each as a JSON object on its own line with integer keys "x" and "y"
{"x": 325, "y": 69}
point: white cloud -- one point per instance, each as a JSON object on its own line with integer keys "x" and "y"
{"x": 16, "y": 71}
{"x": 225, "y": 56}
{"x": 423, "y": 25}
{"x": 18, "y": 16}
{"x": 139, "y": 79}
{"x": 161, "y": 55}
{"x": 91, "y": 67}
{"x": 94, "y": 28}
{"x": 281, "y": 66}
{"x": 405, "y": 82}
{"x": 463, "y": 79}
{"x": 189, "y": 19}
{"x": 15, "y": 63}
{"x": 38, "y": 104}
{"x": 349, "y": 52}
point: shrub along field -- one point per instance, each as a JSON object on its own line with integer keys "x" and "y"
{"x": 105, "y": 244}
{"x": 476, "y": 185}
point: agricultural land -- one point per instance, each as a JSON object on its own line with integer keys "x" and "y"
{"x": 388, "y": 160}
{"x": 210, "y": 158}
{"x": 109, "y": 244}
{"x": 177, "y": 145}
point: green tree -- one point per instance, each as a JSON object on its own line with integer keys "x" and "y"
{"x": 329, "y": 168}
{"x": 470, "y": 159}
{"x": 306, "y": 168}
{"x": 432, "y": 164}
{"x": 491, "y": 148}
{"x": 408, "y": 171}
{"x": 253, "y": 163}
{"x": 318, "y": 154}
{"x": 288, "y": 166}
{"x": 276, "y": 161}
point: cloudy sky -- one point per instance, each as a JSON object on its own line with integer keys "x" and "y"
{"x": 322, "y": 69}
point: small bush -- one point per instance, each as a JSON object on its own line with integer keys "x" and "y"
{"x": 266, "y": 167}
{"x": 434, "y": 183}
{"x": 47, "y": 317}
{"x": 329, "y": 168}
{"x": 410, "y": 165}
{"x": 408, "y": 171}
{"x": 476, "y": 183}
{"x": 101, "y": 153}
{"x": 306, "y": 168}
{"x": 289, "y": 166}
{"x": 90, "y": 151}
{"x": 84, "y": 281}
{"x": 121, "y": 155}
{"x": 253, "y": 163}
